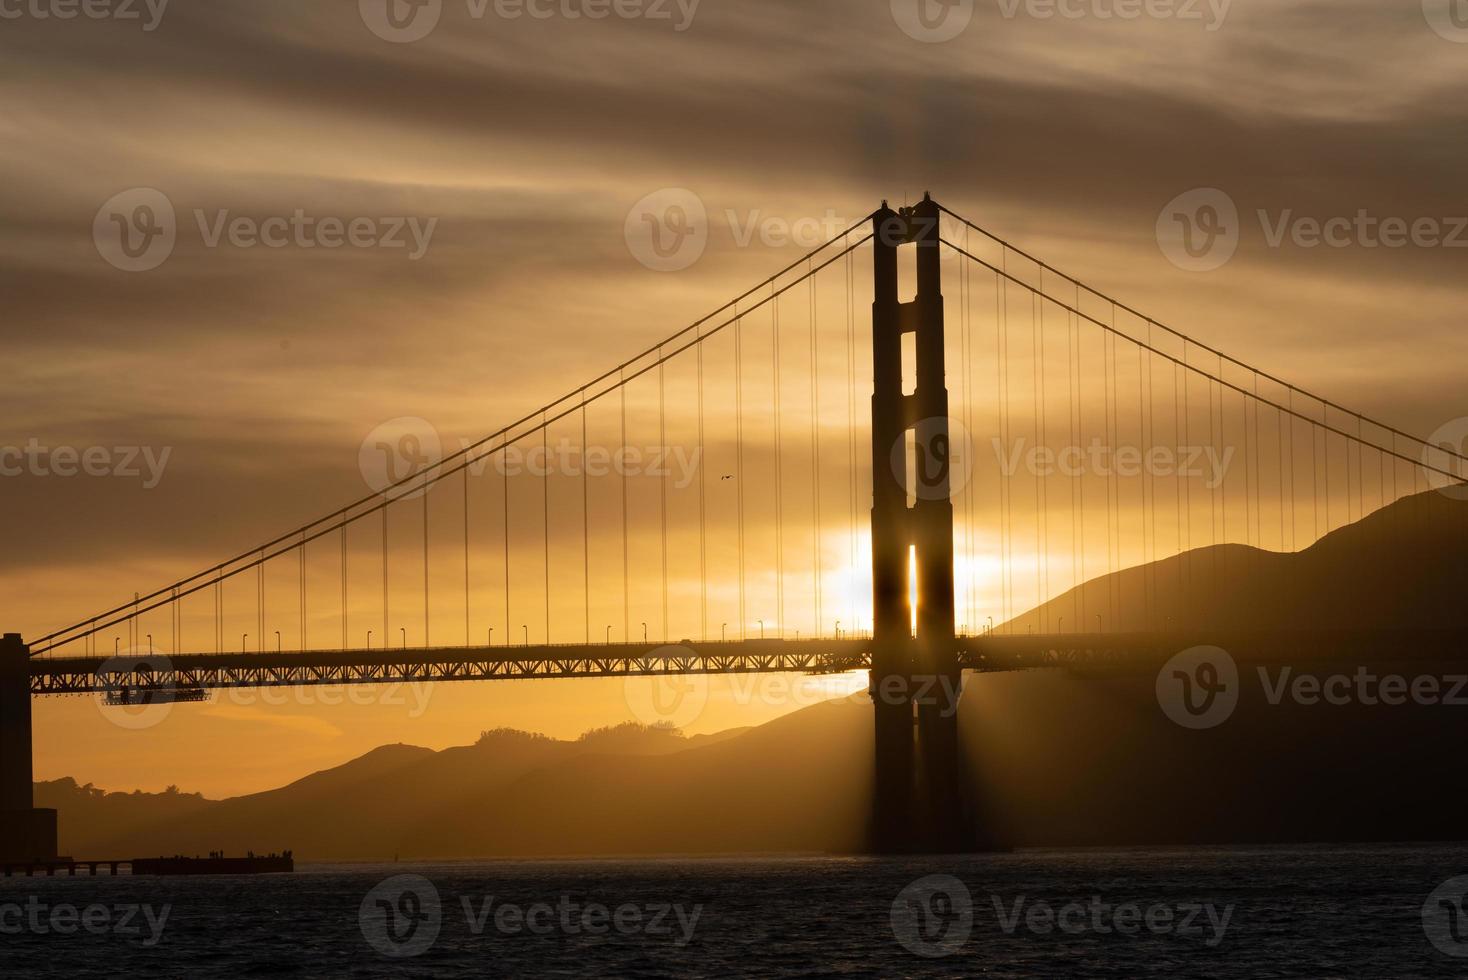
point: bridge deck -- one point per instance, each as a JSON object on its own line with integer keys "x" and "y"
{"x": 988, "y": 652}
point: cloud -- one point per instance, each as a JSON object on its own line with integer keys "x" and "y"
{"x": 260, "y": 716}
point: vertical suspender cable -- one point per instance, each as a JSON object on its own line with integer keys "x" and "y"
{"x": 739, "y": 461}
{"x": 344, "y": 578}
{"x": 505, "y": 495}
{"x": 545, "y": 514}
{"x": 586, "y": 521}
{"x": 851, "y": 425}
{"x": 626, "y": 588}
{"x": 779, "y": 483}
{"x": 815, "y": 449}
{"x": 703, "y": 568}
{"x": 385, "y": 616}
{"x": 1042, "y": 517}
{"x": 663, "y": 485}
{"x": 467, "y": 638}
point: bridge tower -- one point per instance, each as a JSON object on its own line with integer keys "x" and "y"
{"x": 26, "y": 833}
{"x": 919, "y": 801}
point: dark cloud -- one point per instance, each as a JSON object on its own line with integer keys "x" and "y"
{"x": 529, "y": 140}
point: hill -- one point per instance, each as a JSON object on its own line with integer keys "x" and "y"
{"x": 1404, "y": 564}
{"x": 1056, "y": 757}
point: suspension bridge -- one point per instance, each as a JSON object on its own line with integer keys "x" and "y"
{"x": 810, "y": 535}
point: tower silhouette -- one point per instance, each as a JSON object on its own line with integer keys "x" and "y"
{"x": 915, "y": 676}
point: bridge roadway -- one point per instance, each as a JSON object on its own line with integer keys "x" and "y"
{"x": 986, "y": 652}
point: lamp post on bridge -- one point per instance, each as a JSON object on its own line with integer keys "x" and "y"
{"x": 404, "y": 631}
{"x": 243, "y": 638}
{"x": 369, "y": 639}
{"x": 723, "y": 632}
{"x": 761, "y": 628}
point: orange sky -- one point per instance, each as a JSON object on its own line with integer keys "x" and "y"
{"x": 262, "y": 370}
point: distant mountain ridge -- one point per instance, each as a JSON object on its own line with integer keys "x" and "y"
{"x": 1057, "y": 758}
{"x": 1403, "y": 564}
